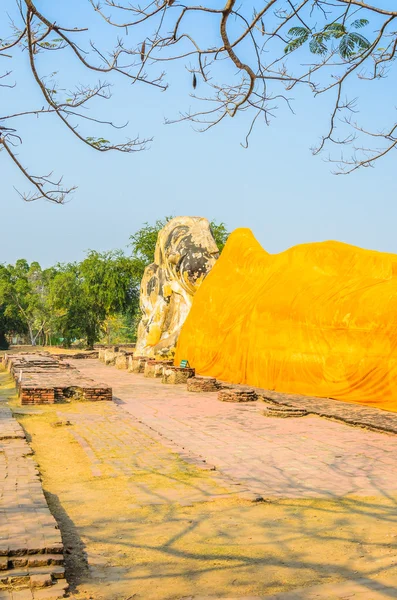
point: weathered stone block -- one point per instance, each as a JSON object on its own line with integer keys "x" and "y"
{"x": 202, "y": 384}
{"x": 284, "y": 411}
{"x": 237, "y": 395}
{"x": 40, "y": 581}
{"x": 136, "y": 364}
{"x": 177, "y": 375}
{"x": 155, "y": 368}
{"x": 17, "y": 562}
{"x": 110, "y": 357}
{"x": 121, "y": 361}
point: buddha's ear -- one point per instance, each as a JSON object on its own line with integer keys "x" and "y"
{"x": 174, "y": 258}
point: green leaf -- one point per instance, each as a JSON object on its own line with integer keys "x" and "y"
{"x": 301, "y": 35}
{"x": 351, "y": 44}
{"x": 346, "y": 47}
{"x": 360, "y": 41}
{"x": 359, "y": 23}
{"x": 317, "y": 45}
{"x": 334, "y": 30}
{"x": 299, "y": 32}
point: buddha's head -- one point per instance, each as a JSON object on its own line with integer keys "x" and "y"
{"x": 187, "y": 250}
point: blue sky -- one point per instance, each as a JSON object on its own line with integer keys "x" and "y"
{"x": 276, "y": 187}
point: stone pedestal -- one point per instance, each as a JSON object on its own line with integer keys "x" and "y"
{"x": 284, "y": 411}
{"x": 155, "y": 368}
{"x": 136, "y": 364}
{"x": 110, "y": 357}
{"x": 122, "y": 361}
{"x": 202, "y": 384}
{"x": 237, "y": 395}
{"x": 177, "y": 375}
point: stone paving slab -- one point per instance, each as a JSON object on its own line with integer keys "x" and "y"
{"x": 304, "y": 457}
{"x": 54, "y": 592}
{"x": 9, "y": 427}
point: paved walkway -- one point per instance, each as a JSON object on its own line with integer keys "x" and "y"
{"x": 116, "y": 445}
{"x": 294, "y": 458}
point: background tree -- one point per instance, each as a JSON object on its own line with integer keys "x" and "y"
{"x": 95, "y": 299}
{"x": 273, "y": 48}
{"x": 10, "y": 325}
{"x": 24, "y": 292}
{"x": 87, "y": 294}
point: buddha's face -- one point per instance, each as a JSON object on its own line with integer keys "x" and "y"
{"x": 190, "y": 251}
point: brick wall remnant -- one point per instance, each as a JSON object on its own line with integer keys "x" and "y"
{"x": 42, "y": 379}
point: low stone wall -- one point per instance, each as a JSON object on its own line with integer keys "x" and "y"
{"x": 30, "y": 394}
{"x": 77, "y": 355}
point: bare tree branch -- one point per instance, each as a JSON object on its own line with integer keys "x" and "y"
{"x": 241, "y": 61}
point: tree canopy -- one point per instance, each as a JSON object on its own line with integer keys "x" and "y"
{"x": 86, "y": 294}
{"x": 24, "y": 296}
{"x": 243, "y": 58}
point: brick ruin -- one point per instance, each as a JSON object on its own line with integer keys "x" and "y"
{"x": 45, "y": 379}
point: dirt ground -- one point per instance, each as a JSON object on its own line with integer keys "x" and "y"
{"x": 169, "y": 546}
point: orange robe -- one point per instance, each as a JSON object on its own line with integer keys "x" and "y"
{"x": 319, "y": 319}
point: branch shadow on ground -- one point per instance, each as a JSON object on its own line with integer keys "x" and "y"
{"x": 234, "y": 548}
